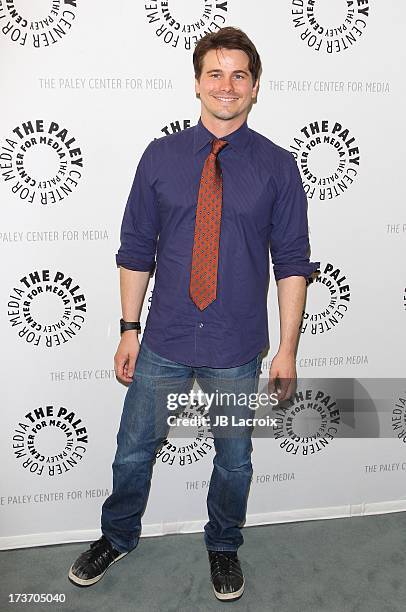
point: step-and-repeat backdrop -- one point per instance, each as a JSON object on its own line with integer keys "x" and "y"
{"x": 85, "y": 87}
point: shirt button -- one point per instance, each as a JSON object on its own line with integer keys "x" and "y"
{"x": 200, "y": 324}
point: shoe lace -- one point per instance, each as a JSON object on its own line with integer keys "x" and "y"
{"x": 104, "y": 556}
{"x": 223, "y": 564}
{"x": 100, "y": 542}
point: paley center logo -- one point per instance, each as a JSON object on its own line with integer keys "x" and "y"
{"x": 398, "y": 418}
{"x": 307, "y": 423}
{"x": 198, "y": 445}
{"x": 46, "y": 308}
{"x": 175, "y": 126}
{"x": 181, "y": 24}
{"x": 328, "y": 157}
{"x": 41, "y": 162}
{"x": 36, "y": 23}
{"x": 330, "y": 27}
{"x": 50, "y": 441}
{"x": 327, "y": 301}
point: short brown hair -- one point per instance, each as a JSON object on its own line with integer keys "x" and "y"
{"x": 227, "y": 38}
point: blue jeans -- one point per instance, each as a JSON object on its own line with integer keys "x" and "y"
{"x": 144, "y": 428}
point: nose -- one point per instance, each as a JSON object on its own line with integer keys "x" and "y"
{"x": 226, "y": 84}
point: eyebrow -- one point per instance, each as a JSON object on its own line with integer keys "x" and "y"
{"x": 219, "y": 70}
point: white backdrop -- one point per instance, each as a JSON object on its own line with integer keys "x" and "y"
{"x": 86, "y": 86}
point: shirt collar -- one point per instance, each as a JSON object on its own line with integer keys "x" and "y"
{"x": 237, "y": 139}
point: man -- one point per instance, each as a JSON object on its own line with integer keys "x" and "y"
{"x": 208, "y": 315}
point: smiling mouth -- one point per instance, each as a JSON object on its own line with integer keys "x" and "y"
{"x": 223, "y": 99}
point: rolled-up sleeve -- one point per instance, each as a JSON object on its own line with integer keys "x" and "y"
{"x": 289, "y": 235}
{"x": 140, "y": 224}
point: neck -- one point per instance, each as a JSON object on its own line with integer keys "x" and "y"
{"x": 221, "y": 127}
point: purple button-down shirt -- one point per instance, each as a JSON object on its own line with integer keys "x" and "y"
{"x": 264, "y": 210}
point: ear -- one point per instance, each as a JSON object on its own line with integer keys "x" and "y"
{"x": 255, "y": 89}
{"x": 197, "y": 87}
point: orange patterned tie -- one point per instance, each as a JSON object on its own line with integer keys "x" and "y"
{"x": 203, "y": 275}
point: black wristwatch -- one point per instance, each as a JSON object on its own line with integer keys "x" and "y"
{"x": 127, "y": 325}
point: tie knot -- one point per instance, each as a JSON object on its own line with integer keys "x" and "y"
{"x": 217, "y": 145}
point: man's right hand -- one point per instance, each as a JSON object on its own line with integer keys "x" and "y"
{"x": 126, "y": 356}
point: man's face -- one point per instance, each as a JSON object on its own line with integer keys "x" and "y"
{"x": 225, "y": 86}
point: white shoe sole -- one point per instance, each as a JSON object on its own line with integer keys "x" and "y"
{"x": 228, "y": 596}
{"x": 91, "y": 581}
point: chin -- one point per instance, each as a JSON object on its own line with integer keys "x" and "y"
{"x": 226, "y": 116}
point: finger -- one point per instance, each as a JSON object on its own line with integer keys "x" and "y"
{"x": 120, "y": 364}
{"x": 130, "y": 366}
{"x": 272, "y": 381}
{"x": 284, "y": 388}
{"x": 292, "y": 387}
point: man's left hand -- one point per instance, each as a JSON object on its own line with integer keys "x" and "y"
{"x": 282, "y": 375}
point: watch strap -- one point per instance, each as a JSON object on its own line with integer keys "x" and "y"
{"x": 129, "y": 325}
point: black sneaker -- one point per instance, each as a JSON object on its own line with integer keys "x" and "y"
{"x": 226, "y": 575}
{"x": 91, "y": 565}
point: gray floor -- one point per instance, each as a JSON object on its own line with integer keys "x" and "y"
{"x": 342, "y": 565}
